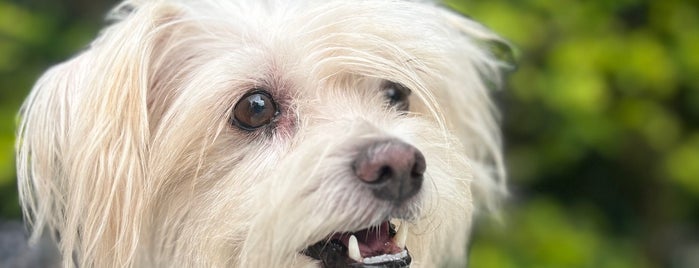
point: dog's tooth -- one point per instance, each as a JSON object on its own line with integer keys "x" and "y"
{"x": 353, "y": 249}
{"x": 401, "y": 235}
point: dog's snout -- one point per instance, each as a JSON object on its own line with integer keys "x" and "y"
{"x": 391, "y": 168}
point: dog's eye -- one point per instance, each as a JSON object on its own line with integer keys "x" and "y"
{"x": 397, "y": 95}
{"x": 254, "y": 110}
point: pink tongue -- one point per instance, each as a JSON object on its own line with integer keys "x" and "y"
{"x": 373, "y": 241}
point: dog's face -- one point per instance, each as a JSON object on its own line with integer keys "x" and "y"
{"x": 260, "y": 134}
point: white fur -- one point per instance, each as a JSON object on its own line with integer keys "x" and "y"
{"x": 125, "y": 151}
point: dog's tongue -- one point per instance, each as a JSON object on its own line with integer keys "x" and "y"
{"x": 377, "y": 246}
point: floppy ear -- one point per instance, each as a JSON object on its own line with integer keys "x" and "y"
{"x": 82, "y": 145}
{"x": 479, "y": 60}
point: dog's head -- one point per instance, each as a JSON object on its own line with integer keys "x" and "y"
{"x": 265, "y": 134}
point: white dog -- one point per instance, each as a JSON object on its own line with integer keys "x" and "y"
{"x": 224, "y": 133}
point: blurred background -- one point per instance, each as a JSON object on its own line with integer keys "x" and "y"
{"x": 601, "y": 123}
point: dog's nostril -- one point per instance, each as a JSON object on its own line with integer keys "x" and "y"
{"x": 384, "y": 173}
{"x": 419, "y": 166}
{"x": 392, "y": 169}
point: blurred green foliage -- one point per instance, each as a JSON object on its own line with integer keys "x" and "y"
{"x": 602, "y": 134}
{"x": 33, "y": 35}
{"x": 601, "y": 124}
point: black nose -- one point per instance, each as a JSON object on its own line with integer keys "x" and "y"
{"x": 392, "y": 169}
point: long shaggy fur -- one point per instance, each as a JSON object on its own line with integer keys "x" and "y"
{"x": 126, "y": 154}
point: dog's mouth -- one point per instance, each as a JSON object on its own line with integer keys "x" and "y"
{"x": 376, "y": 246}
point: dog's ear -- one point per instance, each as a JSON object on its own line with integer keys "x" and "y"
{"x": 82, "y": 145}
{"x": 479, "y": 61}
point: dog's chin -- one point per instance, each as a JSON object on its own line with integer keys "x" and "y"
{"x": 381, "y": 245}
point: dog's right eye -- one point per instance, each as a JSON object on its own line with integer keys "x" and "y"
{"x": 254, "y": 110}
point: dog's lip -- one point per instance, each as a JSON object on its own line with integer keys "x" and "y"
{"x": 376, "y": 246}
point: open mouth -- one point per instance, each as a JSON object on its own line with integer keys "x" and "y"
{"x": 376, "y": 246}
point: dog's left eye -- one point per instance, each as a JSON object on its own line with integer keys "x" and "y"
{"x": 254, "y": 110}
{"x": 397, "y": 95}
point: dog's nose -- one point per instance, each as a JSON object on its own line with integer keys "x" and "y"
{"x": 391, "y": 168}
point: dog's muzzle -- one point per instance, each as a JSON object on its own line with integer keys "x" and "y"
{"x": 393, "y": 171}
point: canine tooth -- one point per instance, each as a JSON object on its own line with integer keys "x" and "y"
{"x": 353, "y": 249}
{"x": 401, "y": 235}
